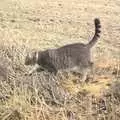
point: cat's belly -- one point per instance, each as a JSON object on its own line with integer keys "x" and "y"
{"x": 70, "y": 69}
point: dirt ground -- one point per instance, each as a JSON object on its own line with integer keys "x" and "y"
{"x": 43, "y": 24}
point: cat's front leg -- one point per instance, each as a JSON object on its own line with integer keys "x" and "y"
{"x": 35, "y": 68}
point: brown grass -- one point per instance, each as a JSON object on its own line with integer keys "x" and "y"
{"x": 33, "y": 24}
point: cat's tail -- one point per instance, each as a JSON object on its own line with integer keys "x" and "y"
{"x": 97, "y": 33}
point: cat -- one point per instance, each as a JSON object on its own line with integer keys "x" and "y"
{"x": 71, "y": 57}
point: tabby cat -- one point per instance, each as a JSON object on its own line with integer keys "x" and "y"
{"x": 71, "y": 57}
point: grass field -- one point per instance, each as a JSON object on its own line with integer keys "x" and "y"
{"x": 43, "y": 24}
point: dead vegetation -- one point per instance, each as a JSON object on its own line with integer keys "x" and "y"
{"x": 42, "y": 96}
{"x": 25, "y": 25}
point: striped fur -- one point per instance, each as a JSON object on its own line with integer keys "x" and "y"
{"x": 97, "y": 32}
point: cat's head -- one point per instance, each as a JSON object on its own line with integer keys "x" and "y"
{"x": 31, "y": 58}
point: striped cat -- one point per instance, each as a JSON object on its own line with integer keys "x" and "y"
{"x": 71, "y": 57}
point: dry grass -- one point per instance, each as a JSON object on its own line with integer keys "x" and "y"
{"x": 33, "y": 24}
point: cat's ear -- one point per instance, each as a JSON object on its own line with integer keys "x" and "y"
{"x": 33, "y": 53}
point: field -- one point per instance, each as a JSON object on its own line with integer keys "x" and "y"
{"x": 27, "y": 25}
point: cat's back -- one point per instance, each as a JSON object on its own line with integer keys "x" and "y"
{"x": 77, "y": 48}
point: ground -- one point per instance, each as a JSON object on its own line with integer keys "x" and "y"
{"x": 39, "y": 25}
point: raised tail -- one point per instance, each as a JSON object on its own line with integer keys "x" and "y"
{"x": 97, "y": 33}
